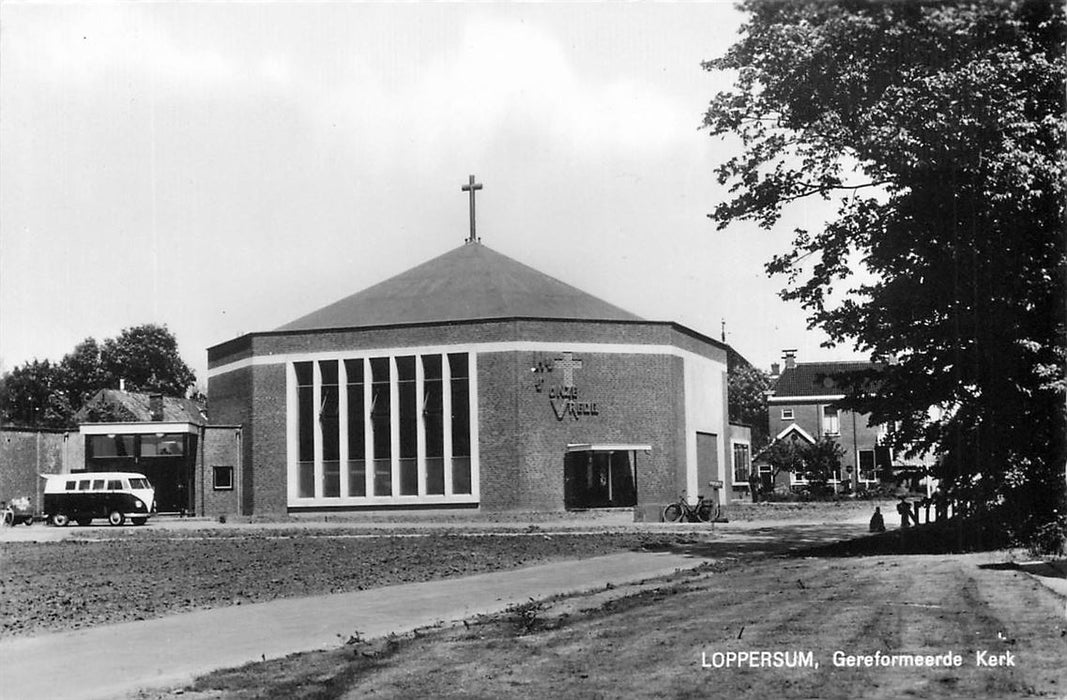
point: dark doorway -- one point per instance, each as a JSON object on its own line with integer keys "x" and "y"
{"x": 600, "y": 479}
{"x": 167, "y": 459}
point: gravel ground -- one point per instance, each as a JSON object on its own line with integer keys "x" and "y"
{"x": 76, "y": 583}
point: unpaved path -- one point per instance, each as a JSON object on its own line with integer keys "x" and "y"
{"x": 660, "y": 642}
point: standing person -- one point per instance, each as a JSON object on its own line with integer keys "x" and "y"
{"x": 904, "y": 509}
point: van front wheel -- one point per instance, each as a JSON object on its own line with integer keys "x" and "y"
{"x": 116, "y": 518}
{"x": 60, "y": 520}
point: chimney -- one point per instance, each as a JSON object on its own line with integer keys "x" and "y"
{"x": 790, "y": 357}
{"x": 775, "y": 369}
{"x": 155, "y": 407}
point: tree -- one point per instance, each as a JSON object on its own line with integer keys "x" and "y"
{"x": 939, "y": 129}
{"x": 747, "y": 387}
{"x": 821, "y": 462}
{"x": 147, "y": 358}
{"x": 785, "y": 455}
{"x": 80, "y": 372}
{"x": 43, "y": 394}
{"x": 816, "y": 462}
{"x": 30, "y": 395}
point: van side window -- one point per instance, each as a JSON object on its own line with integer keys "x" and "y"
{"x": 114, "y": 485}
{"x": 72, "y": 485}
{"x": 98, "y": 485}
{"x": 83, "y": 485}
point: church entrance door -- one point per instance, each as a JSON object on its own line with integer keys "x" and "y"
{"x": 595, "y": 477}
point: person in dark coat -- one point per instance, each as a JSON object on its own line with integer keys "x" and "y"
{"x": 904, "y": 508}
{"x": 877, "y": 521}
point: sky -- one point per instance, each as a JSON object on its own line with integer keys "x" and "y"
{"x": 224, "y": 168}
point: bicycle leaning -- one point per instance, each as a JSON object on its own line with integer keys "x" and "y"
{"x": 681, "y": 511}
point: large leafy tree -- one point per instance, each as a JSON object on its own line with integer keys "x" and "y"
{"x": 31, "y": 395}
{"x": 939, "y": 130}
{"x": 147, "y": 358}
{"x": 45, "y": 394}
{"x": 747, "y": 391}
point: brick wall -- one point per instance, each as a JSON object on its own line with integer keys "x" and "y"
{"x": 221, "y": 448}
{"x": 230, "y": 403}
{"x": 522, "y": 443}
{"x": 26, "y": 453}
{"x": 854, "y": 432}
{"x": 268, "y": 460}
{"x": 635, "y": 397}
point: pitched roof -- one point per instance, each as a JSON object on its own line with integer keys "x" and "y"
{"x": 112, "y": 405}
{"x": 471, "y": 282}
{"x": 816, "y": 378}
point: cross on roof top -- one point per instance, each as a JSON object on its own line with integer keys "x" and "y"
{"x": 472, "y": 187}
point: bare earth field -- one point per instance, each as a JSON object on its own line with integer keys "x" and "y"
{"x": 666, "y": 640}
{"x": 75, "y": 583}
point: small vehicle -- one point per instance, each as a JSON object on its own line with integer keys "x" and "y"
{"x": 18, "y": 511}
{"x": 702, "y": 512}
{"x": 84, "y": 496}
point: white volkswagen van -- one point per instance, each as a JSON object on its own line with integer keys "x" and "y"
{"x": 87, "y": 495}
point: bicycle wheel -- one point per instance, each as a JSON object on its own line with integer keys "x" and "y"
{"x": 672, "y": 513}
{"x": 705, "y": 512}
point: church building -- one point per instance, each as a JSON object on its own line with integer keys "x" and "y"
{"x": 472, "y": 381}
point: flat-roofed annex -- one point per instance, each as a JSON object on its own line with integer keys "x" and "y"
{"x": 467, "y": 283}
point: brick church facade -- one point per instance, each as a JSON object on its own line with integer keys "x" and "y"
{"x": 472, "y": 382}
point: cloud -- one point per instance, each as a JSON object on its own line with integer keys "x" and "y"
{"x": 503, "y": 75}
{"x": 83, "y": 45}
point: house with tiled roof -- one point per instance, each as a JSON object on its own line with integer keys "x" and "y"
{"x": 804, "y": 404}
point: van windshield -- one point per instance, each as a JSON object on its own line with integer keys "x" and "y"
{"x": 140, "y": 484}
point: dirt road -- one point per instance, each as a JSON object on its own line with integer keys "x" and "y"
{"x": 667, "y": 642}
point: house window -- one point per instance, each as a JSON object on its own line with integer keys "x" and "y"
{"x": 109, "y": 446}
{"x": 222, "y": 478}
{"x": 787, "y": 414}
{"x": 163, "y": 445}
{"x": 867, "y": 465}
{"x": 742, "y": 464}
{"x": 830, "y": 423}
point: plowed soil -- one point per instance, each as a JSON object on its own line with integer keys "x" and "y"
{"x": 75, "y": 583}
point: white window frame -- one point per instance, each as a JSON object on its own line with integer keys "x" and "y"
{"x": 734, "y": 444}
{"x": 214, "y": 477}
{"x": 834, "y": 421}
{"x": 874, "y": 467}
{"x": 787, "y": 417}
{"x": 421, "y": 498}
